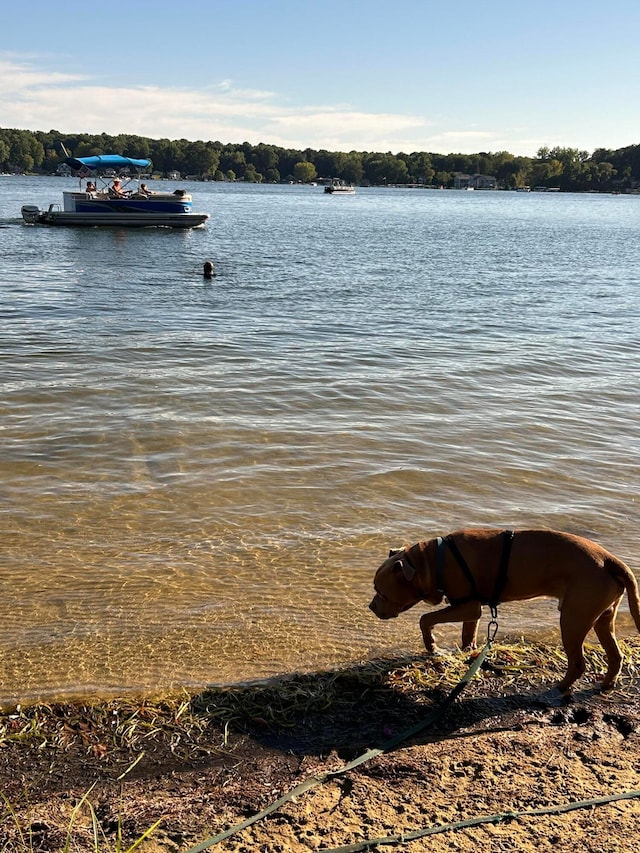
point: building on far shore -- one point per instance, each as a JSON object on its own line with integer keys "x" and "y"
{"x": 474, "y": 182}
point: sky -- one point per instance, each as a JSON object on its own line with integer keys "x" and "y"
{"x": 365, "y": 75}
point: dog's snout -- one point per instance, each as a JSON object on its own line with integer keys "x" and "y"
{"x": 380, "y": 608}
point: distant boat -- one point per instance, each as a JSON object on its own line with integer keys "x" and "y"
{"x": 337, "y": 185}
{"x": 101, "y": 206}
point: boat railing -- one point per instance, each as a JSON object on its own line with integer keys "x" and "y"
{"x": 53, "y": 208}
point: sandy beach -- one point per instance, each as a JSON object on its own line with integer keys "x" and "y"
{"x": 200, "y": 764}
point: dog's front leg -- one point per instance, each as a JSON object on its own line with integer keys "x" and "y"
{"x": 470, "y": 634}
{"x": 468, "y": 613}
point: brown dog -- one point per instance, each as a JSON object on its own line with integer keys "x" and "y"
{"x": 470, "y": 568}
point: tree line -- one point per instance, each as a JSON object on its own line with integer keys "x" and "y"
{"x": 567, "y": 169}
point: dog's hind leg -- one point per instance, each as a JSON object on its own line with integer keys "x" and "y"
{"x": 573, "y": 637}
{"x": 605, "y": 628}
{"x": 582, "y": 609}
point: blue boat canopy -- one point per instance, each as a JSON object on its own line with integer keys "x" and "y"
{"x": 106, "y": 161}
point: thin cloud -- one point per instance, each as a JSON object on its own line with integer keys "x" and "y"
{"x": 18, "y": 77}
{"x": 228, "y": 88}
{"x": 34, "y": 98}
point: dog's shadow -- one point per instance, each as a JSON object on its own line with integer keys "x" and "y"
{"x": 350, "y": 710}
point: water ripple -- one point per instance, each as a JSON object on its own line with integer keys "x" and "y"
{"x": 200, "y": 478}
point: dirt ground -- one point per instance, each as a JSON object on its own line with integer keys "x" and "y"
{"x": 504, "y": 745}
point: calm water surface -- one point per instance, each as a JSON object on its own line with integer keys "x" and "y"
{"x": 198, "y": 479}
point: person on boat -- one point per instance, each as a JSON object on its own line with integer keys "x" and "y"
{"x": 144, "y": 190}
{"x": 115, "y": 190}
{"x": 91, "y": 187}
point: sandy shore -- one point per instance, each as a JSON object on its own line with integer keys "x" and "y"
{"x": 200, "y": 764}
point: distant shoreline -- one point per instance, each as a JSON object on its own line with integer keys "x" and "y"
{"x": 568, "y": 169}
{"x": 431, "y": 187}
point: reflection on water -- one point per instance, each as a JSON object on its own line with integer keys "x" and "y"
{"x": 199, "y": 479}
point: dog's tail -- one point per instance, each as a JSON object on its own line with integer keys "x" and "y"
{"x": 621, "y": 572}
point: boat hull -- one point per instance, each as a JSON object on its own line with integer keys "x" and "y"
{"x": 130, "y": 219}
{"x": 339, "y": 187}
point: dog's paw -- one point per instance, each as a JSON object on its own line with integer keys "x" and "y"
{"x": 435, "y": 652}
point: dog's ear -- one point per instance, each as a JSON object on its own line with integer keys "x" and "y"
{"x": 392, "y": 553}
{"x": 407, "y": 570}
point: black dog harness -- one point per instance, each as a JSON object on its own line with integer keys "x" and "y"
{"x": 447, "y": 542}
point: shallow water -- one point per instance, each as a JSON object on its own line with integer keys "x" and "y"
{"x": 199, "y": 478}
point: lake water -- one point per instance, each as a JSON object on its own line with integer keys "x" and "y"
{"x": 199, "y": 478}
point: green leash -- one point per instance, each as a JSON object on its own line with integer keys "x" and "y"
{"x": 314, "y": 781}
{"x": 479, "y": 821}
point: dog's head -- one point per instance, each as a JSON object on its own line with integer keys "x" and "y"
{"x": 396, "y": 585}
